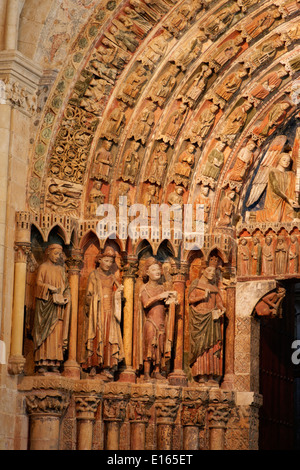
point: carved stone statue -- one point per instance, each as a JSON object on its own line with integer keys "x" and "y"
{"x": 235, "y": 122}
{"x": 172, "y": 127}
{"x": 96, "y": 197}
{"x": 202, "y": 126}
{"x": 191, "y": 92}
{"x": 243, "y": 258}
{"x": 226, "y": 209}
{"x": 215, "y": 161}
{"x": 158, "y": 164}
{"x": 132, "y": 163}
{"x": 203, "y": 198}
{"x": 161, "y": 90}
{"x": 256, "y": 257}
{"x": 206, "y": 341}
{"x": 272, "y": 119}
{"x": 242, "y": 163}
{"x": 281, "y": 256}
{"x": 144, "y": 123}
{"x": 52, "y": 312}
{"x": 103, "y": 162}
{"x": 184, "y": 166}
{"x": 270, "y": 305}
{"x": 103, "y": 339}
{"x": 268, "y": 257}
{"x": 158, "y": 316}
{"x": 293, "y": 255}
{"x": 115, "y": 123}
{"x": 231, "y": 84}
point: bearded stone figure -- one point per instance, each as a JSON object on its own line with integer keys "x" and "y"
{"x": 206, "y": 342}
{"x": 157, "y": 317}
{"x": 52, "y": 312}
{"x": 103, "y": 343}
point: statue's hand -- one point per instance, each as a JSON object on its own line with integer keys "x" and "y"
{"x": 53, "y": 289}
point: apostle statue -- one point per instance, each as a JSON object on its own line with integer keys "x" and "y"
{"x": 206, "y": 342}
{"x": 157, "y": 318}
{"x": 103, "y": 343}
{"x": 52, "y": 312}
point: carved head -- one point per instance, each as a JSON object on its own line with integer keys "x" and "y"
{"x": 106, "y": 259}
{"x": 152, "y": 270}
{"x": 54, "y": 253}
{"x": 209, "y": 273}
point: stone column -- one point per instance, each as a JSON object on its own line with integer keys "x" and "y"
{"x": 193, "y": 417}
{"x": 12, "y": 25}
{"x": 86, "y": 408}
{"x": 179, "y": 275}
{"x": 114, "y": 411}
{"x": 45, "y": 409}
{"x": 139, "y": 415}
{"x": 218, "y": 415}
{"x": 129, "y": 273}
{"x": 74, "y": 263}
{"x": 228, "y": 381}
{"x": 22, "y": 251}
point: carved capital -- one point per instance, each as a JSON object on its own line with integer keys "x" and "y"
{"x": 166, "y": 412}
{"x": 86, "y": 406}
{"x": 130, "y": 266}
{"x": 218, "y": 415}
{"x": 193, "y": 414}
{"x": 139, "y": 411}
{"x": 22, "y": 252}
{"x": 74, "y": 262}
{"x": 50, "y": 403}
{"x": 180, "y": 271}
{"x": 16, "y": 365}
{"x": 114, "y": 409}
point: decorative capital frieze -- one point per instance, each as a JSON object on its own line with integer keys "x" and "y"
{"x": 86, "y": 406}
{"x": 50, "y": 403}
{"x": 114, "y": 409}
{"x": 22, "y": 252}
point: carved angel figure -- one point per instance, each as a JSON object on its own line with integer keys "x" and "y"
{"x": 276, "y": 178}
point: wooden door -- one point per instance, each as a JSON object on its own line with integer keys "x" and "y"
{"x": 277, "y": 415}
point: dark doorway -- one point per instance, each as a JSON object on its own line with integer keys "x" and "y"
{"x": 279, "y": 377}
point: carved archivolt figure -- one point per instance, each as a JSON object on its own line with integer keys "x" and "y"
{"x": 156, "y": 50}
{"x": 269, "y": 83}
{"x": 163, "y": 88}
{"x": 134, "y": 85}
{"x": 157, "y": 318}
{"x": 203, "y": 198}
{"x": 260, "y": 23}
{"x": 231, "y": 84}
{"x": 158, "y": 164}
{"x": 273, "y": 118}
{"x": 132, "y": 163}
{"x": 96, "y": 197}
{"x": 103, "y": 339}
{"x": 226, "y": 209}
{"x": 184, "y": 166}
{"x": 243, "y": 162}
{"x": 191, "y": 92}
{"x": 52, "y": 311}
{"x": 115, "y": 123}
{"x": 144, "y": 123}
{"x": 202, "y": 126}
{"x": 103, "y": 162}
{"x": 172, "y": 128}
{"x": 206, "y": 311}
{"x": 215, "y": 161}
{"x": 235, "y": 122}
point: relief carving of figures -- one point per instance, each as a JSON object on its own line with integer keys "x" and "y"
{"x": 132, "y": 162}
{"x": 203, "y": 198}
{"x": 145, "y": 12}
{"x": 63, "y": 197}
{"x": 268, "y": 257}
{"x": 173, "y": 125}
{"x": 206, "y": 338}
{"x": 161, "y": 91}
{"x": 277, "y": 178}
{"x": 103, "y": 162}
{"x": 156, "y": 50}
{"x": 281, "y": 256}
{"x": 260, "y": 23}
{"x": 188, "y": 54}
{"x": 107, "y": 58}
{"x": 137, "y": 23}
{"x": 226, "y": 52}
{"x": 215, "y": 162}
{"x": 52, "y": 311}
{"x": 293, "y": 255}
{"x": 192, "y": 92}
{"x": 271, "y": 304}
{"x": 179, "y": 20}
{"x": 115, "y": 123}
{"x": 229, "y": 86}
{"x": 157, "y": 320}
{"x": 134, "y": 84}
{"x": 256, "y": 257}
{"x": 144, "y": 124}
{"x": 222, "y": 20}
{"x": 235, "y": 122}
{"x": 151, "y": 196}
{"x": 123, "y": 38}
{"x": 263, "y": 53}
{"x": 226, "y": 209}
{"x": 273, "y": 118}
{"x": 203, "y": 124}
{"x": 175, "y": 199}
{"x": 103, "y": 340}
{"x": 158, "y": 164}
{"x": 268, "y": 84}
{"x": 244, "y": 258}
{"x": 243, "y": 162}
{"x": 93, "y": 97}
{"x": 96, "y": 197}
{"x": 183, "y": 167}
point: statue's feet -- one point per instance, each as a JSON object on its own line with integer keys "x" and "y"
{"x": 158, "y": 376}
